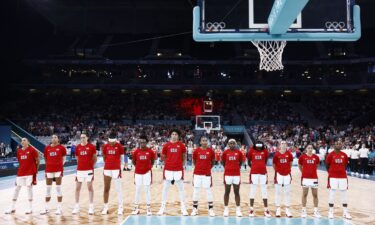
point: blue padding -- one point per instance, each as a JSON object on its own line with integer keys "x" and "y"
{"x": 203, "y": 220}
{"x": 283, "y": 14}
{"x": 296, "y": 36}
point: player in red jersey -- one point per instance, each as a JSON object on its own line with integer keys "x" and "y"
{"x": 336, "y": 162}
{"x": 55, "y": 156}
{"x": 308, "y": 165}
{"x": 244, "y": 152}
{"x": 28, "y": 161}
{"x": 86, "y": 159}
{"x": 174, "y": 156}
{"x": 257, "y": 160}
{"x": 232, "y": 159}
{"x": 282, "y": 163}
{"x": 204, "y": 160}
{"x": 113, "y": 155}
{"x": 143, "y": 158}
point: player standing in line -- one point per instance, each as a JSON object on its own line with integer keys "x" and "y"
{"x": 113, "y": 153}
{"x": 337, "y": 179}
{"x": 217, "y": 157}
{"x": 282, "y": 163}
{"x": 143, "y": 158}
{"x": 243, "y": 151}
{"x": 174, "y": 156}
{"x": 28, "y": 161}
{"x": 55, "y": 156}
{"x": 204, "y": 160}
{"x": 308, "y": 165}
{"x": 86, "y": 159}
{"x": 232, "y": 159}
{"x": 257, "y": 158}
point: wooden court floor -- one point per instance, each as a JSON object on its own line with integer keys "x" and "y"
{"x": 361, "y": 200}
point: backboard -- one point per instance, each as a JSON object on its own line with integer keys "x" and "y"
{"x": 204, "y": 122}
{"x": 247, "y": 20}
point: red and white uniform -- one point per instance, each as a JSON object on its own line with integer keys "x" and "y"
{"x": 27, "y": 170}
{"x": 112, "y": 159}
{"x": 54, "y": 157}
{"x": 143, "y": 165}
{"x": 283, "y": 162}
{"x": 258, "y": 171}
{"x": 203, "y": 159}
{"x": 309, "y": 165}
{"x": 232, "y": 159}
{"x": 337, "y": 162}
{"x": 218, "y": 155}
{"x": 173, "y": 164}
{"x": 85, "y": 162}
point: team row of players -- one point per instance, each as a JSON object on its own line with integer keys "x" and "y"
{"x": 174, "y": 155}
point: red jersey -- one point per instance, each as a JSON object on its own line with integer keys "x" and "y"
{"x": 243, "y": 151}
{"x": 173, "y": 155}
{"x": 203, "y": 161}
{"x": 283, "y": 162}
{"x": 155, "y": 151}
{"x": 112, "y": 156}
{"x": 84, "y": 154}
{"x": 309, "y": 166}
{"x": 232, "y": 160}
{"x": 337, "y": 163}
{"x": 258, "y": 161}
{"x": 143, "y": 159}
{"x": 217, "y": 155}
{"x": 54, "y": 158}
{"x": 26, "y": 159}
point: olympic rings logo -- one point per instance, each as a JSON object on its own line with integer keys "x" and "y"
{"x": 215, "y": 26}
{"x": 335, "y": 25}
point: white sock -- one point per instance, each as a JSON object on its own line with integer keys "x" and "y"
{"x": 277, "y": 195}
{"x": 181, "y": 190}
{"x": 148, "y": 194}
{"x": 210, "y": 197}
{"x": 137, "y": 194}
{"x": 120, "y": 196}
{"x": 287, "y": 195}
{"x": 196, "y": 194}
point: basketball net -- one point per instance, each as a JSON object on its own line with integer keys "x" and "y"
{"x": 208, "y": 129}
{"x": 271, "y": 54}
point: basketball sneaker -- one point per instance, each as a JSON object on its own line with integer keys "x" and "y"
{"x": 303, "y": 213}
{"x": 267, "y": 213}
{"x": 317, "y": 214}
{"x": 194, "y": 212}
{"x": 149, "y": 213}
{"x": 10, "y": 210}
{"x": 362, "y": 175}
{"x": 120, "y": 210}
{"x": 105, "y": 210}
{"x": 44, "y": 211}
{"x": 58, "y": 210}
{"x": 91, "y": 210}
{"x": 135, "y": 211}
{"x": 226, "y": 212}
{"x": 330, "y": 214}
{"x": 161, "y": 210}
{"x": 347, "y": 215}
{"x": 278, "y": 212}
{"x": 211, "y": 212}
{"x": 28, "y": 211}
{"x": 288, "y": 213}
{"x": 251, "y": 213}
{"x": 184, "y": 212}
{"x": 238, "y": 212}
{"x": 76, "y": 209}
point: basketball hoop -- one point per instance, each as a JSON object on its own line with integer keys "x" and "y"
{"x": 271, "y": 54}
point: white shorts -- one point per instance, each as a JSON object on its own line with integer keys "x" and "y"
{"x": 338, "y": 183}
{"x": 202, "y": 181}
{"x": 143, "y": 179}
{"x": 310, "y": 183}
{"x": 115, "y": 174}
{"x": 85, "y": 175}
{"x": 24, "y": 180}
{"x": 258, "y": 179}
{"x": 173, "y": 175}
{"x": 54, "y": 175}
{"x": 229, "y": 180}
{"x": 283, "y": 180}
